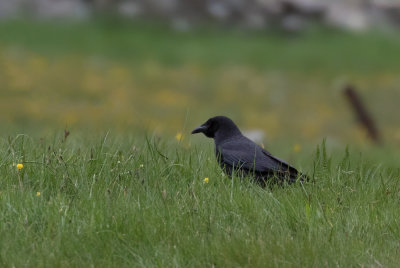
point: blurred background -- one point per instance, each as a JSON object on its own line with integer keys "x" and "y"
{"x": 276, "y": 67}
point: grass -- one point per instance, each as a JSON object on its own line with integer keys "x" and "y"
{"x": 126, "y": 200}
{"x": 101, "y": 76}
{"x": 106, "y": 203}
{"x": 318, "y": 50}
{"x": 133, "y": 43}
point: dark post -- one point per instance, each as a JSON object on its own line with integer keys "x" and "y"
{"x": 362, "y": 114}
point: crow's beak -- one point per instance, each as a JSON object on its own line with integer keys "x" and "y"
{"x": 199, "y": 129}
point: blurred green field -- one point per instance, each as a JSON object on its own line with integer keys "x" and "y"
{"x": 145, "y": 77}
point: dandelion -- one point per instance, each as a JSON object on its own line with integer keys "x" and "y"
{"x": 179, "y": 136}
{"x": 20, "y": 166}
{"x": 141, "y": 166}
{"x": 206, "y": 180}
{"x": 297, "y": 148}
{"x": 37, "y": 193}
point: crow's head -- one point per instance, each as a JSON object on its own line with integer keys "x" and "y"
{"x": 219, "y": 126}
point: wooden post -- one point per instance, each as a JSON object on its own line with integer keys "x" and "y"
{"x": 362, "y": 114}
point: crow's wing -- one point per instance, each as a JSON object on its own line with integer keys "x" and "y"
{"x": 245, "y": 154}
{"x": 283, "y": 166}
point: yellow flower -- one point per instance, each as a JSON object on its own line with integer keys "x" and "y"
{"x": 20, "y": 166}
{"x": 179, "y": 136}
{"x": 37, "y": 193}
{"x": 206, "y": 180}
{"x": 297, "y": 148}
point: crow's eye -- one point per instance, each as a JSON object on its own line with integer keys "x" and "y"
{"x": 213, "y": 126}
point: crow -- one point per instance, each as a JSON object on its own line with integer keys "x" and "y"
{"x": 236, "y": 153}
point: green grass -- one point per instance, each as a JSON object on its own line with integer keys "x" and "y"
{"x": 318, "y": 49}
{"x": 143, "y": 203}
{"x": 128, "y": 201}
{"x": 101, "y": 75}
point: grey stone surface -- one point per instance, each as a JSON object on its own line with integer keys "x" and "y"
{"x": 292, "y": 15}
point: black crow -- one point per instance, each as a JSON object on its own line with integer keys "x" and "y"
{"x": 236, "y": 152}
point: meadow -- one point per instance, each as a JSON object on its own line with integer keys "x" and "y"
{"x": 146, "y": 203}
{"x": 101, "y": 76}
{"x": 126, "y": 186}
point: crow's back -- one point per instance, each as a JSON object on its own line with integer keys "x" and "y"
{"x": 241, "y": 153}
